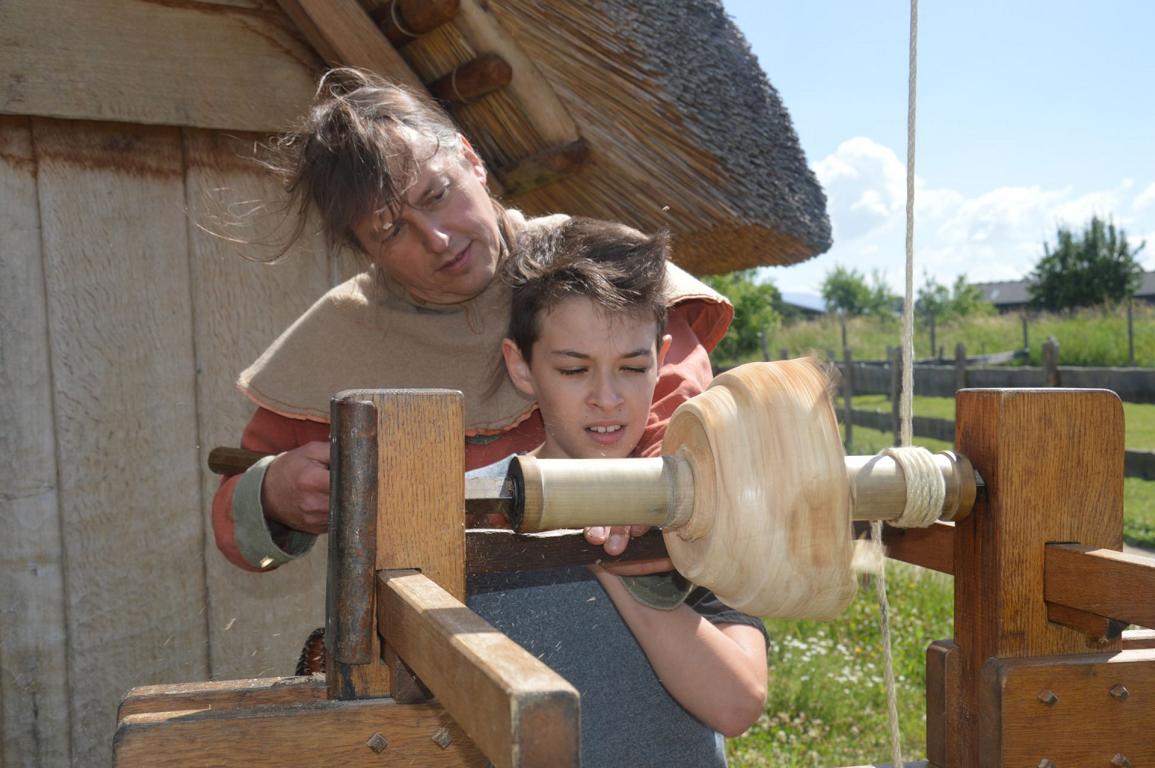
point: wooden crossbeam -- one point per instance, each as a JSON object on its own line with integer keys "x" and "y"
{"x": 529, "y": 89}
{"x": 345, "y": 35}
{"x": 222, "y": 694}
{"x": 366, "y": 732}
{"x": 518, "y": 710}
{"x": 1101, "y": 581}
{"x": 931, "y": 547}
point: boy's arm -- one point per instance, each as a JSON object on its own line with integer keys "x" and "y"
{"x": 716, "y": 671}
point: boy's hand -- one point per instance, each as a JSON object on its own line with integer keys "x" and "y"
{"x": 295, "y": 492}
{"x": 615, "y": 540}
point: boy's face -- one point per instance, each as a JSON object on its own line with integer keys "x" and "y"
{"x": 593, "y": 375}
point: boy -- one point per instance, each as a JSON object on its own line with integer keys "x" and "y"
{"x": 659, "y": 686}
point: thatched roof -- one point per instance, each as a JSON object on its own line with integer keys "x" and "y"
{"x": 652, "y": 112}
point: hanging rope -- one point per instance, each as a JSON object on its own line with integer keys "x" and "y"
{"x": 905, "y": 401}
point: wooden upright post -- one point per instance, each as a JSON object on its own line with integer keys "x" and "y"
{"x": 1052, "y": 461}
{"x": 417, "y": 522}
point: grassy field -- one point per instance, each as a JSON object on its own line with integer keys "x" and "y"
{"x": 827, "y": 702}
{"x": 826, "y": 697}
{"x": 1092, "y": 337}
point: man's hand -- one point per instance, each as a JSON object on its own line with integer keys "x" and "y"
{"x": 295, "y": 491}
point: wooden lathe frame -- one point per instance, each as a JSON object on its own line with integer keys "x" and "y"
{"x": 1038, "y": 673}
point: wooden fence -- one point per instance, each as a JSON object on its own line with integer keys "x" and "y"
{"x": 1135, "y": 385}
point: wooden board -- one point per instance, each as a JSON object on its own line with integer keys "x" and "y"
{"x": 1053, "y": 465}
{"x": 199, "y": 64}
{"x": 257, "y": 622}
{"x": 942, "y": 692}
{"x": 222, "y": 694}
{"x": 115, "y": 256}
{"x": 33, "y": 645}
{"x": 1103, "y": 582}
{"x": 342, "y": 32}
{"x": 421, "y": 489}
{"x": 320, "y": 733}
{"x": 1084, "y": 724}
{"x": 517, "y": 710}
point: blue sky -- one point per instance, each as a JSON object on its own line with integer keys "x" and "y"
{"x": 1031, "y": 114}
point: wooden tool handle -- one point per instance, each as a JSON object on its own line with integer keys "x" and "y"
{"x": 233, "y": 461}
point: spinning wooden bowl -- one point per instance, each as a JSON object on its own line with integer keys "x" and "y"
{"x": 753, "y": 491}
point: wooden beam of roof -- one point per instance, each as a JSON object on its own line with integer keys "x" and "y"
{"x": 406, "y": 20}
{"x": 529, "y": 89}
{"x": 344, "y": 35}
{"x": 473, "y": 79}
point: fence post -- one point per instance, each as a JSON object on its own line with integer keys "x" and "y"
{"x": 1026, "y": 335}
{"x": 960, "y": 366}
{"x": 933, "y": 340}
{"x": 1130, "y": 335}
{"x": 848, "y": 394}
{"x": 1051, "y": 362}
{"x": 784, "y": 354}
{"x": 895, "y": 355}
{"x": 762, "y": 343}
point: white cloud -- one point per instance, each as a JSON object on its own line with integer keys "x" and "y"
{"x": 995, "y": 235}
{"x": 866, "y": 183}
{"x": 1146, "y": 199}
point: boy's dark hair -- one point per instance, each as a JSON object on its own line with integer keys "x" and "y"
{"x": 617, "y": 267}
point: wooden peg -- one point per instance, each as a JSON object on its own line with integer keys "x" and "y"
{"x": 472, "y": 80}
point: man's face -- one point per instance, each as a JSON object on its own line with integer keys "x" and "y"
{"x": 593, "y": 375}
{"x": 444, "y": 244}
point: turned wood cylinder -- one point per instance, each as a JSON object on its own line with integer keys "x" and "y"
{"x": 659, "y": 492}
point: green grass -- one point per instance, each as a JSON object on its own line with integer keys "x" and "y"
{"x": 827, "y": 702}
{"x": 1091, "y": 337}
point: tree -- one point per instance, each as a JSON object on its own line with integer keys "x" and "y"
{"x": 847, "y": 293}
{"x": 1095, "y": 267}
{"x": 757, "y": 311}
{"x": 944, "y": 304}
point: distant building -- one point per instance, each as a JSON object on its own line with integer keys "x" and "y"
{"x": 807, "y": 305}
{"x": 1012, "y": 295}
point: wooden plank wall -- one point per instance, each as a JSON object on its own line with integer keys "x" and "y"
{"x": 122, "y": 327}
{"x": 123, "y": 324}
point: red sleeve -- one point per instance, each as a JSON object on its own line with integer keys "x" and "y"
{"x": 267, "y": 432}
{"x": 685, "y": 373}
